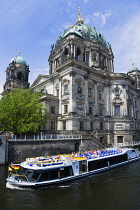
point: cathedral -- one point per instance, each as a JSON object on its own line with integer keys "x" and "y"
{"x": 82, "y": 93}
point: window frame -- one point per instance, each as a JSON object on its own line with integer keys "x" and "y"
{"x": 65, "y": 108}
{"x": 115, "y": 110}
{"x": 119, "y": 139}
{"x": 52, "y": 109}
{"x": 65, "y": 89}
{"x": 64, "y": 125}
{"x": 99, "y": 96}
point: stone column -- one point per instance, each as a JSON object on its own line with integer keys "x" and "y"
{"x": 53, "y": 67}
{"x": 71, "y": 48}
{"x": 86, "y": 95}
{"x": 111, "y": 65}
{"x": 74, "y": 50}
{"x": 60, "y": 95}
{"x": 90, "y": 58}
{"x": 96, "y": 104}
{"x": 59, "y": 125}
{"x": 125, "y": 102}
{"x": 72, "y": 102}
{"x": 107, "y": 100}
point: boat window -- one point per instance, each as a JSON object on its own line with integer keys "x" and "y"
{"x": 44, "y": 176}
{"x": 83, "y": 166}
{"x": 28, "y": 173}
{"x": 117, "y": 159}
{"x": 122, "y": 158}
{"x": 35, "y": 175}
{"x": 91, "y": 166}
{"x": 103, "y": 163}
{"x": 22, "y": 171}
{"x": 64, "y": 172}
{"x": 54, "y": 174}
{"x": 112, "y": 160}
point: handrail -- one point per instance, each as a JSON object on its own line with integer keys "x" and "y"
{"x": 19, "y": 175}
{"x": 96, "y": 140}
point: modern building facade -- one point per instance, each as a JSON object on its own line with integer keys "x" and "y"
{"x": 83, "y": 94}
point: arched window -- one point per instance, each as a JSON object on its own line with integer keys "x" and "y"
{"x": 19, "y": 75}
{"x": 87, "y": 58}
{"x": 79, "y": 90}
{"x": 117, "y": 92}
{"x": 42, "y": 91}
{"x": 117, "y": 110}
{"x": 78, "y": 54}
{"x": 94, "y": 57}
{"x": 77, "y": 147}
{"x": 66, "y": 51}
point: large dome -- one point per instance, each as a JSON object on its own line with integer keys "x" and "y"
{"x": 18, "y": 59}
{"x": 86, "y": 32}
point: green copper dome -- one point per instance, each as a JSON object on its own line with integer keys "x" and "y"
{"x": 133, "y": 69}
{"x": 18, "y": 59}
{"x": 84, "y": 31}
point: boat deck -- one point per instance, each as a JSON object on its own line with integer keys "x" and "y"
{"x": 62, "y": 160}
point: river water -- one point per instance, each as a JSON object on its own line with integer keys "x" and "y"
{"x": 116, "y": 189}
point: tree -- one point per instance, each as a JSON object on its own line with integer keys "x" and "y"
{"x": 21, "y": 111}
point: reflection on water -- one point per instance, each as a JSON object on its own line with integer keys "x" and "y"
{"x": 115, "y": 189}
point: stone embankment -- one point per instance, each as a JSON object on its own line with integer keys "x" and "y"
{"x": 12, "y": 150}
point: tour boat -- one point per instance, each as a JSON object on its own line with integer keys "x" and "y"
{"x": 49, "y": 170}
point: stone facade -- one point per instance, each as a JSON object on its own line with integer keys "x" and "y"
{"x": 3, "y": 150}
{"x": 83, "y": 94}
{"x": 17, "y": 74}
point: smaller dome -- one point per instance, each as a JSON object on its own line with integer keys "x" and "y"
{"x": 133, "y": 69}
{"x": 18, "y": 59}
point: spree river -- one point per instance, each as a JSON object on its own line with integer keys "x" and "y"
{"x": 116, "y": 189}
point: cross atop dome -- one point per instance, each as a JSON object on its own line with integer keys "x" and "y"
{"x": 79, "y": 17}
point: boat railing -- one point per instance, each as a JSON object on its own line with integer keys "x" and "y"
{"x": 73, "y": 157}
{"x": 100, "y": 153}
{"x": 19, "y": 177}
{"x": 44, "y": 164}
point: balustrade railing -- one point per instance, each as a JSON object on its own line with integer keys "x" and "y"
{"x": 47, "y": 137}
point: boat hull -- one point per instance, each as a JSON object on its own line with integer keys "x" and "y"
{"x": 67, "y": 179}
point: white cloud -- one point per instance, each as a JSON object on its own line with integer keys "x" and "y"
{"x": 102, "y": 17}
{"x": 13, "y": 12}
{"x": 85, "y": 1}
{"x": 126, "y": 44}
{"x": 71, "y": 4}
{"x": 97, "y": 14}
{"x": 97, "y": 17}
{"x": 87, "y": 19}
{"x": 105, "y": 16}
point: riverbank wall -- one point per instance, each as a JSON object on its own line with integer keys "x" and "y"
{"x": 3, "y": 150}
{"x": 16, "y": 151}
{"x": 19, "y": 150}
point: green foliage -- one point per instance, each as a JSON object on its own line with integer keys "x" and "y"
{"x": 21, "y": 111}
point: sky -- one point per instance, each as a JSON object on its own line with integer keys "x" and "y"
{"x": 32, "y": 26}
